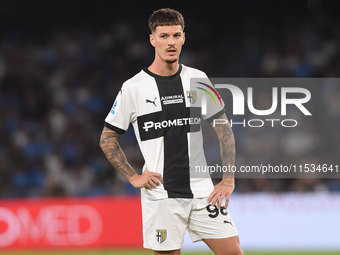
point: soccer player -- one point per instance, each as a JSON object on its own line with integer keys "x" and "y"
{"x": 160, "y": 105}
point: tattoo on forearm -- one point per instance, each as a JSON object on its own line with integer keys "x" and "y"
{"x": 227, "y": 147}
{"x": 228, "y": 181}
{"x": 113, "y": 152}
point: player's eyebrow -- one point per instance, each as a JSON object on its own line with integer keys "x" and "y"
{"x": 176, "y": 33}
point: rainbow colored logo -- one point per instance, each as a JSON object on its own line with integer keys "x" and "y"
{"x": 209, "y": 93}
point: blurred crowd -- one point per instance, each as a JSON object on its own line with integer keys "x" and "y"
{"x": 56, "y": 90}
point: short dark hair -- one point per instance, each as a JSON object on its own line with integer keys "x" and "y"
{"x": 165, "y": 17}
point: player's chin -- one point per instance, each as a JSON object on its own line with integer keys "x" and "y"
{"x": 171, "y": 60}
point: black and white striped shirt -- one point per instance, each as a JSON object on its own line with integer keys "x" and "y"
{"x": 166, "y": 116}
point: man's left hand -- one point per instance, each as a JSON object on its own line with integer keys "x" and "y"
{"x": 223, "y": 189}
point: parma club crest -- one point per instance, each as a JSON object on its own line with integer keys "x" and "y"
{"x": 161, "y": 235}
{"x": 191, "y": 96}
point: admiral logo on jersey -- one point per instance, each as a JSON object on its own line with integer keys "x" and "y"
{"x": 173, "y": 99}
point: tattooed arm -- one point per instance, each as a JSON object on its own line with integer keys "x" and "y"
{"x": 227, "y": 147}
{"x": 113, "y": 152}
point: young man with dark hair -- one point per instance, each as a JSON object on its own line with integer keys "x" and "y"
{"x": 168, "y": 131}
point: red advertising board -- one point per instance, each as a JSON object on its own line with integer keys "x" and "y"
{"x": 71, "y": 222}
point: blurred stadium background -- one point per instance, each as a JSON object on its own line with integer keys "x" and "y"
{"x": 61, "y": 66}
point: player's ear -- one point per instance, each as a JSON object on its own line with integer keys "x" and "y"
{"x": 152, "y": 40}
{"x": 183, "y": 38}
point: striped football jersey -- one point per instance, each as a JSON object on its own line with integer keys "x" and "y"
{"x": 166, "y": 113}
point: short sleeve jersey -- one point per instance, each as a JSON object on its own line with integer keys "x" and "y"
{"x": 165, "y": 112}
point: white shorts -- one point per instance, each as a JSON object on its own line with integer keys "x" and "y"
{"x": 165, "y": 222}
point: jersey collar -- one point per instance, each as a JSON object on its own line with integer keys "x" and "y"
{"x": 171, "y": 77}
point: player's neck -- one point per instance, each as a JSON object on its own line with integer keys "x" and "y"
{"x": 163, "y": 68}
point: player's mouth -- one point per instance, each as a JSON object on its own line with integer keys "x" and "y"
{"x": 171, "y": 51}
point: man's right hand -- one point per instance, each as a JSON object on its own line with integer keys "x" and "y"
{"x": 146, "y": 180}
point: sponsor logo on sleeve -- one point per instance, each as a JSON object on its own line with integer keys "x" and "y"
{"x": 113, "y": 110}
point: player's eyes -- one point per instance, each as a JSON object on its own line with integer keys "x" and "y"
{"x": 176, "y": 36}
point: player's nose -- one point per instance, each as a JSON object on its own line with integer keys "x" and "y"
{"x": 171, "y": 41}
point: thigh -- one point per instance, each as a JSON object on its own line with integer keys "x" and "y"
{"x": 164, "y": 223}
{"x": 175, "y": 252}
{"x": 225, "y": 246}
{"x": 207, "y": 222}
